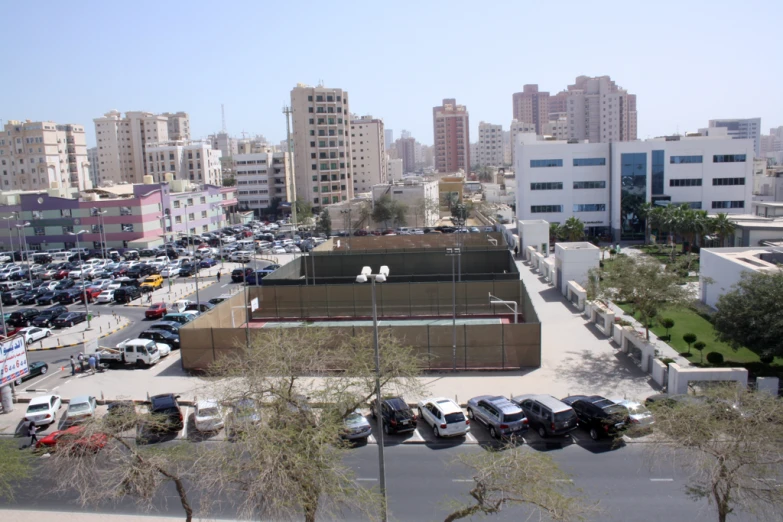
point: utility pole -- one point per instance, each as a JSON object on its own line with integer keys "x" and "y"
{"x": 288, "y": 112}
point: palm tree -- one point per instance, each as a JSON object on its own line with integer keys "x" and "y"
{"x": 722, "y": 226}
{"x": 645, "y": 212}
{"x": 574, "y": 229}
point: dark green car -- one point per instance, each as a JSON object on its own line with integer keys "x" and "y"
{"x": 37, "y": 368}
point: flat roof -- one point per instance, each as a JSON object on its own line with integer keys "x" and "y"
{"x": 577, "y": 246}
{"x": 748, "y": 257}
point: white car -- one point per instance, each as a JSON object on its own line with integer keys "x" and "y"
{"x": 170, "y": 271}
{"x": 32, "y": 334}
{"x": 208, "y": 415}
{"x": 191, "y": 313}
{"x": 103, "y": 284}
{"x": 240, "y": 257}
{"x": 279, "y": 250}
{"x": 164, "y": 349}
{"x": 106, "y": 296}
{"x": 42, "y": 410}
{"x": 444, "y": 416}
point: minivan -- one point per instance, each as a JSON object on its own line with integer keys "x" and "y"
{"x": 547, "y": 415}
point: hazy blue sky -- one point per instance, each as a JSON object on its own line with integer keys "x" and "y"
{"x": 687, "y": 61}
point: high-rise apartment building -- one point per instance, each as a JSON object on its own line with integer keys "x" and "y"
{"x": 406, "y": 151}
{"x": 261, "y": 177}
{"x": 122, "y": 142}
{"x": 490, "y": 145}
{"x": 599, "y": 111}
{"x": 451, "y": 127}
{"x": 771, "y": 143}
{"x": 224, "y": 143}
{"x": 322, "y": 144}
{"x": 194, "y": 161}
{"x": 557, "y": 128}
{"x": 38, "y": 155}
{"x": 507, "y": 148}
{"x": 95, "y": 171}
{"x": 531, "y": 106}
{"x": 742, "y": 129}
{"x": 393, "y": 169}
{"x": 388, "y": 138}
{"x": 368, "y": 153}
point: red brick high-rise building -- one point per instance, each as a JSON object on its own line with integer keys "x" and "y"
{"x": 452, "y": 137}
{"x": 531, "y": 106}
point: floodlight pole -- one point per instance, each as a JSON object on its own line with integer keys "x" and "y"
{"x": 453, "y": 252}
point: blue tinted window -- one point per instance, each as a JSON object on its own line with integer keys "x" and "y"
{"x": 589, "y": 162}
{"x": 728, "y": 204}
{"x": 657, "y": 172}
{"x": 687, "y": 182}
{"x": 728, "y": 158}
{"x": 541, "y": 209}
{"x": 589, "y": 184}
{"x": 685, "y": 159}
{"x": 546, "y": 163}
{"x": 593, "y": 207}
{"x": 553, "y": 185}
{"x": 633, "y": 194}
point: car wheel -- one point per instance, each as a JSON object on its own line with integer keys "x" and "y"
{"x": 419, "y": 412}
{"x": 18, "y": 381}
{"x": 593, "y": 433}
{"x": 470, "y": 414}
{"x": 44, "y": 369}
{"x": 48, "y": 334}
{"x": 542, "y": 432}
{"x": 70, "y": 324}
{"x": 492, "y": 432}
{"x": 436, "y": 432}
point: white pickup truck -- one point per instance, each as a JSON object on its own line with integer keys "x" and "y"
{"x": 141, "y": 352}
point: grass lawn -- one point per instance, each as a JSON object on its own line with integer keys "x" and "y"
{"x": 662, "y": 254}
{"x": 688, "y": 321}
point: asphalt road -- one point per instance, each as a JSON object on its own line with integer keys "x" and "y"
{"x": 422, "y": 480}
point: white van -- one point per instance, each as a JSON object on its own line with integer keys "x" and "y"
{"x": 61, "y": 257}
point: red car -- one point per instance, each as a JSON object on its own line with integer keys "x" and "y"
{"x": 92, "y": 292}
{"x": 73, "y": 436}
{"x": 156, "y": 311}
{"x": 61, "y": 274}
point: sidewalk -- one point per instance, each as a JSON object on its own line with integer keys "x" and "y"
{"x": 101, "y": 326}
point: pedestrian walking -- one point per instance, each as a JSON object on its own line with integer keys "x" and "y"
{"x": 516, "y": 251}
{"x": 31, "y": 431}
{"x": 73, "y": 366}
{"x": 218, "y": 276}
{"x": 149, "y": 298}
{"x": 92, "y": 363}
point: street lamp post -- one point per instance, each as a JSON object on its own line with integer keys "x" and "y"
{"x": 187, "y": 242}
{"x": 23, "y": 240}
{"x": 83, "y": 277}
{"x": 101, "y": 232}
{"x": 380, "y": 277}
{"x": 453, "y": 253}
{"x": 10, "y": 235}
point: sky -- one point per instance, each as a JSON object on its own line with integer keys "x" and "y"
{"x": 687, "y": 61}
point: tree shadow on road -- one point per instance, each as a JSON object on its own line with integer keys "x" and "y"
{"x": 605, "y": 370}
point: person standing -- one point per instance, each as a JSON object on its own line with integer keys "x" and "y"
{"x": 80, "y": 358}
{"x": 92, "y": 363}
{"x": 97, "y": 360}
{"x": 218, "y": 276}
{"x": 73, "y": 366}
{"x": 31, "y": 431}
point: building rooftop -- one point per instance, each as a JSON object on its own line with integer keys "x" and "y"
{"x": 578, "y": 245}
{"x": 759, "y": 259}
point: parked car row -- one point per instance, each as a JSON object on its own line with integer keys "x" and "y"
{"x": 42, "y": 321}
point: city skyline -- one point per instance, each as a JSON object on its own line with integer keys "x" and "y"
{"x": 677, "y": 94}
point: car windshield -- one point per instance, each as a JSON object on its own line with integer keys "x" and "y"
{"x": 208, "y": 412}
{"x": 78, "y": 407}
{"x": 451, "y": 418}
{"x": 513, "y": 417}
{"x": 34, "y": 408}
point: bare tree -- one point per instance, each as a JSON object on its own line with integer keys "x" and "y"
{"x": 728, "y": 441}
{"x": 308, "y": 380}
{"x": 519, "y": 476}
{"x": 101, "y": 462}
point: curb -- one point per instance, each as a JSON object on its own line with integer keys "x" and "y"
{"x": 200, "y": 286}
{"x": 77, "y": 344}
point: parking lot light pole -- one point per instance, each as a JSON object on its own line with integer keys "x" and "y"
{"x": 84, "y": 293}
{"x": 218, "y": 207}
{"x": 380, "y": 277}
{"x": 10, "y": 235}
{"x": 23, "y": 241}
{"x": 453, "y": 253}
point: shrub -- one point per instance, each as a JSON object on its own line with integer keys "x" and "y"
{"x": 767, "y": 358}
{"x": 689, "y": 338}
{"x": 715, "y": 358}
{"x": 667, "y": 360}
{"x": 667, "y": 323}
{"x": 700, "y": 346}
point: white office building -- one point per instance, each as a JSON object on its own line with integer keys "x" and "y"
{"x": 261, "y": 177}
{"x": 742, "y": 129}
{"x": 490, "y": 146}
{"x": 368, "y": 153}
{"x": 602, "y": 183}
{"x": 194, "y": 161}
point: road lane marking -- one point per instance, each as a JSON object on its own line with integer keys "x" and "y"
{"x": 661, "y": 480}
{"x": 223, "y": 286}
{"x": 39, "y": 381}
{"x": 563, "y": 480}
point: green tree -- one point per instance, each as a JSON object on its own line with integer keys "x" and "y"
{"x": 273, "y": 208}
{"x": 667, "y": 323}
{"x": 304, "y": 210}
{"x": 229, "y": 181}
{"x": 516, "y": 476}
{"x": 730, "y": 459}
{"x": 700, "y": 346}
{"x": 324, "y": 225}
{"x": 383, "y": 210}
{"x": 399, "y": 211}
{"x": 573, "y": 229}
{"x": 750, "y": 314}
{"x": 640, "y": 281}
{"x": 723, "y": 227}
{"x": 645, "y": 211}
{"x": 689, "y": 338}
{"x": 554, "y": 232}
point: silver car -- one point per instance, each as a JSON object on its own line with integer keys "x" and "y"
{"x": 638, "y": 415}
{"x": 356, "y": 427}
{"x": 80, "y": 409}
{"x": 501, "y": 416}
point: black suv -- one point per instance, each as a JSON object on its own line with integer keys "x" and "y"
{"x": 396, "y": 416}
{"x": 23, "y": 317}
{"x": 169, "y": 326}
{"x": 12, "y": 297}
{"x": 167, "y": 415}
{"x": 46, "y": 318}
{"x": 162, "y": 336}
{"x": 238, "y": 275}
{"x": 600, "y": 416}
{"x": 126, "y": 294}
{"x": 68, "y": 296}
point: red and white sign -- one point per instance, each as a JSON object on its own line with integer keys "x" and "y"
{"x": 14, "y": 360}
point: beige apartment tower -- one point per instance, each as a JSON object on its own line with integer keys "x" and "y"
{"x": 38, "y": 155}
{"x": 322, "y": 144}
{"x": 368, "y": 153}
{"x": 451, "y": 126}
{"x": 490, "y": 145}
{"x": 122, "y": 142}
